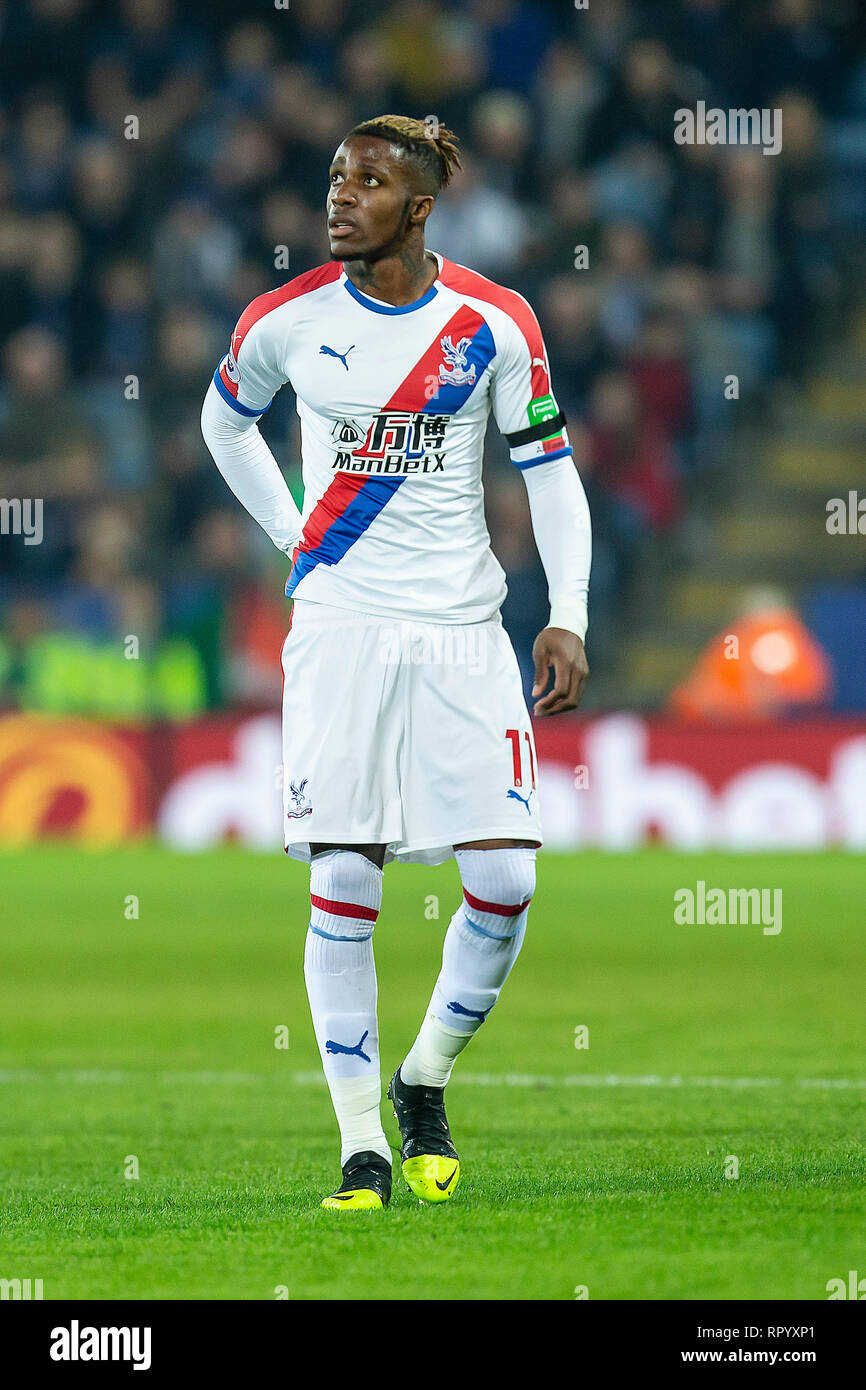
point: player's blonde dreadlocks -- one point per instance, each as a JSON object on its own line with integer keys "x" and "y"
{"x": 433, "y": 146}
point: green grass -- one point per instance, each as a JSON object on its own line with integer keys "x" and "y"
{"x": 619, "y": 1187}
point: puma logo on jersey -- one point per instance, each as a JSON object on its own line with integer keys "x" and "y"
{"x": 325, "y": 351}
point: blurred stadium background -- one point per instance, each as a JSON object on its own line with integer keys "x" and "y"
{"x": 124, "y": 263}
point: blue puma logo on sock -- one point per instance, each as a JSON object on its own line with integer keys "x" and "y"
{"x": 329, "y": 352}
{"x": 524, "y": 799}
{"x": 480, "y": 1014}
{"x": 356, "y": 1051}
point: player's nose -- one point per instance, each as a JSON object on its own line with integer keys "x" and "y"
{"x": 342, "y": 197}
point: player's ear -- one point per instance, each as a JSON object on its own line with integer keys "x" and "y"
{"x": 420, "y": 208}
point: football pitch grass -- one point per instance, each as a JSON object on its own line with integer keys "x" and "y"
{"x": 148, "y": 1043}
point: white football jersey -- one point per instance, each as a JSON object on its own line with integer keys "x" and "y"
{"x": 394, "y": 403}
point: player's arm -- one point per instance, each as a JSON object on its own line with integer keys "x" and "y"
{"x": 240, "y": 393}
{"x": 535, "y": 430}
{"x": 563, "y": 535}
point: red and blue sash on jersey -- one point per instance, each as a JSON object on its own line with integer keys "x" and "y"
{"x": 352, "y": 501}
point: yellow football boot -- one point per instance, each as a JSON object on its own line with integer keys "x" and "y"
{"x": 366, "y": 1184}
{"x": 429, "y": 1159}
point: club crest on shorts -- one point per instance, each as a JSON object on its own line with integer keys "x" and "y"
{"x": 454, "y": 371}
{"x": 300, "y": 803}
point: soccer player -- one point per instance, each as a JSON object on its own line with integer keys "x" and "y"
{"x": 405, "y": 731}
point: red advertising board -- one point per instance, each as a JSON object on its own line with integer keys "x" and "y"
{"x": 614, "y": 782}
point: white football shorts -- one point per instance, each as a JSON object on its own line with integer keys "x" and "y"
{"x": 404, "y": 733}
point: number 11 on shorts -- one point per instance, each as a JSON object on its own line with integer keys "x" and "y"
{"x": 513, "y": 735}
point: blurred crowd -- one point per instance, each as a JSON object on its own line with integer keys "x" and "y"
{"x": 162, "y": 162}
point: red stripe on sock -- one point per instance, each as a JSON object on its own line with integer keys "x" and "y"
{"x": 499, "y": 908}
{"x": 366, "y": 914}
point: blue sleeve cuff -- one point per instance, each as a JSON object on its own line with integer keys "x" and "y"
{"x": 230, "y": 400}
{"x": 546, "y": 458}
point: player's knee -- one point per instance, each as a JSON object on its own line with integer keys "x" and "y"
{"x": 345, "y": 895}
{"x": 498, "y": 885}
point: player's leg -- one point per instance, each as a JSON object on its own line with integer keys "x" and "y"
{"x": 478, "y": 776}
{"x": 481, "y": 945}
{"x": 340, "y": 973}
{"x": 375, "y": 853}
{"x": 341, "y": 807}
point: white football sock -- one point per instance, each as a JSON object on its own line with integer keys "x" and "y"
{"x": 481, "y": 945}
{"x": 346, "y": 894}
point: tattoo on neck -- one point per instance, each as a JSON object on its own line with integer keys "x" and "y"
{"x": 415, "y": 260}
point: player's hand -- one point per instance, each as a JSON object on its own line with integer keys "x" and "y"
{"x": 565, "y": 653}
